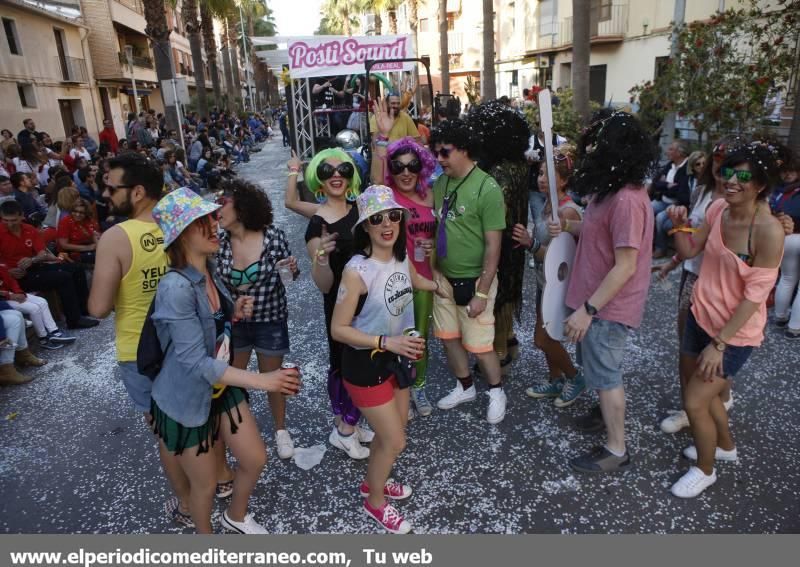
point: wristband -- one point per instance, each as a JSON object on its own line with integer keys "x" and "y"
{"x": 684, "y": 228}
{"x": 293, "y": 174}
{"x": 535, "y": 246}
{"x": 481, "y": 295}
{"x": 381, "y": 138}
{"x": 293, "y": 168}
{"x": 377, "y": 342}
{"x": 382, "y": 143}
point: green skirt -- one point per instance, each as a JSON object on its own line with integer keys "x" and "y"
{"x": 178, "y": 437}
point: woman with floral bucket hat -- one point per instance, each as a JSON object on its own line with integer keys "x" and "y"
{"x": 374, "y": 318}
{"x": 198, "y": 397}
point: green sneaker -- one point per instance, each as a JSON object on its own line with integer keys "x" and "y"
{"x": 572, "y": 390}
{"x": 546, "y": 389}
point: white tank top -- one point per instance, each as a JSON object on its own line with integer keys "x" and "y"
{"x": 389, "y": 306}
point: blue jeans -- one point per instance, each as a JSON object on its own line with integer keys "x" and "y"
{"x": 601, "y": 353}
{"x": 663, "y": 226}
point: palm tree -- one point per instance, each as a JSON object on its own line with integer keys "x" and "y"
{"x": 580, "y": 58}
{"x": 227, "y": 68}
{"x": 444, "y": 61}
{"x": 210, "y": 46}
{"x": 192, "y": 26}
{"x": 340, "y": 16}
{"x": 488, "y": 88}
{"x": 158, "y": 31}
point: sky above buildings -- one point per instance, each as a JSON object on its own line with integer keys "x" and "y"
{"x": 296, "y": 17}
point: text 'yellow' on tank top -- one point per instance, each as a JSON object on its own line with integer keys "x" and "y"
{"x": 138, "y": 287}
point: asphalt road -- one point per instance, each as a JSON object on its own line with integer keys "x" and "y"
{"x": 76, "y": 458}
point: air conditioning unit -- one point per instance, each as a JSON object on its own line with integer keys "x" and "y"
{"x": 542, "y": 62}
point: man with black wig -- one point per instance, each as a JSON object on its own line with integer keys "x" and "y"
{"x": 470, "y": 210}
{"x": 611, "y": 272}
{"x": 504, "y": 136}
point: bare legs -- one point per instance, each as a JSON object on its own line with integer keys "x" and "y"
{"x": 612, "y": 404}
{"x": 388, "y": 421}
{"x": 458, "y": 360}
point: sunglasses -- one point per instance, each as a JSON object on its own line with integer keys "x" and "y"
{"x": 325, "y": 170}
{"x": 222, "y": 201}
{"x": 395, "y": 216}
{"x": 443, "y": 152}
{"x": 741, "y": 176}
{"x": 396, "y": 166}
{"x": 113, "y": 189}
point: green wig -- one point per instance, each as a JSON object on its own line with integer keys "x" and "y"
{"x": 315, "y": 185}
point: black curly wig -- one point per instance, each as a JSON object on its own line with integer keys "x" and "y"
{"x": 458, "y": 133}
{"x": 503, "y": 133}
{"x": 252, "y": 206}
{"x": 614, "y": 151}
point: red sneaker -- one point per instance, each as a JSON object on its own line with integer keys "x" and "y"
{"x": 388, "y": 517}
{"x": 392, "y": 490}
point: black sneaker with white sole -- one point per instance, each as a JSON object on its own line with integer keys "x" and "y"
{"x": 47, "y": 344}
{"x": 60, "y": 337}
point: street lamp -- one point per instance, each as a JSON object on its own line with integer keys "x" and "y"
{"x": 129, "y": 57}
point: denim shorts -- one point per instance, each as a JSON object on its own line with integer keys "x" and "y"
{"x": 267, "y": 338}
{"x": 137, "y": 385}
{"x": 601, "y": 353}
{"x": 695, "y": 339}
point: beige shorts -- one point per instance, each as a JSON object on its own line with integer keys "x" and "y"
{"x": 452, "y": 322}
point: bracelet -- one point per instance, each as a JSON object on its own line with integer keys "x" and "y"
{"x": 382, "y": 143}
{"x": 565, "y": 226}
{"x": 535, "y": 246}
{"x": 293, "y": 174}
{"x": 293, "y": 168}
{"x": 382, "y": 342}
{"x": 437, "y": 285}
{"x": 684, "y": 228}
{"x": 481, "y": 295}
{"x": 377, "y": 342}
{"x": 382, "y": 138}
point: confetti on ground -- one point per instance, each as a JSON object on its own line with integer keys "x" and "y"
{"x": 88, "y": 464}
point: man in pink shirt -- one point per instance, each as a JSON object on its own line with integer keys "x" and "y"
{"x": 611, "y": 274}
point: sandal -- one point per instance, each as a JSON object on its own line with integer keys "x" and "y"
{"x": 224, "y": 489}
{"x": 173, "y": 510}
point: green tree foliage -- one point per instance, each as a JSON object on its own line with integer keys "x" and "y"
{"x": 566, "y": 120}
{"x": 724, "y": 68}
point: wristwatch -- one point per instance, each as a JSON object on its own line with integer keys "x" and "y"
{"x": 719, "y": 345}
{"x": 590, "y": 309}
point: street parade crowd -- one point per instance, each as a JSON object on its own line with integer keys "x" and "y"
{"x": 429, "y": 238}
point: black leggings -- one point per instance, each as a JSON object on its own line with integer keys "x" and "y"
{"x": 68, "y": 280}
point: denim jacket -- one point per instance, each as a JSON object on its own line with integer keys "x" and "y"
{"x": 186, "y": 330}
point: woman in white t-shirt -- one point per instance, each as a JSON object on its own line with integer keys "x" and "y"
{"x": 78, "y": 151}
{"x": 373, "y": 317}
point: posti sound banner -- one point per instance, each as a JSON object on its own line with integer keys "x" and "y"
{"x": 330, "y": 56}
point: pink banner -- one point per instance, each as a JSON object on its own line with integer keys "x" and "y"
{"x": 346, "y": 55}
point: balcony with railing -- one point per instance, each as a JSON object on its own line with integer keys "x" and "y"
{"x": 455, "y": 42}
{"x": 71, "y": 70}
{"x": 138, "y": 61}
{"x": 606, "y": 24}
{"x": 135, "y": 5}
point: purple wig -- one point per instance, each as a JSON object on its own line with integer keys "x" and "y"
{"x": 409, "y": 145}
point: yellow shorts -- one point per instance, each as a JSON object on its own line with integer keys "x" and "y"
{"x": 452, "y": 322}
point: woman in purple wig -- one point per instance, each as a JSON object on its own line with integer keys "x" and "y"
{"x": 406, "y": 167}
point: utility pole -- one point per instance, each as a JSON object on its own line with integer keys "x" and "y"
{"x": 129, "y": 57}
{"x": 246, "y": 61}
{"x": 668, "y": 126}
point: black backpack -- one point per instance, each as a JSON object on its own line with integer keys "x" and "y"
{"x": 149, "y": 355}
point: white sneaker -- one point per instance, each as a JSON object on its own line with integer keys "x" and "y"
{"x": 457, "y": 397}
{"x": 349, "y": 445}
{"x": 284, "y": 444}
{"x": 720, "y": 454}
{"x": 693, "y": 483}
{"x": 497, "y": 405}
{"x": 675, "y": 422}
{"x": 729, "y": 404}
{"x": 248, "y": 526}
{"x": 364, "y": 435}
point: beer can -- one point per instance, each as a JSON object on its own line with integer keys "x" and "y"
{"x": 289, "y": 366}
{"x": 414, "y": 334}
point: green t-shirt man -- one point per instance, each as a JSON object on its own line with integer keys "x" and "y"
{"x": 476, "y": 207}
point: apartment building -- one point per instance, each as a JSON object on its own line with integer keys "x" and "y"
{"x": 45, "y": 67}
{"x": 117, "y": 27}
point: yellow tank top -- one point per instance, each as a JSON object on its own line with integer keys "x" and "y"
{"x": 138, "y": 286}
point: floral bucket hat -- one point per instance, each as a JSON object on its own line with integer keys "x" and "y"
{"x": 177, "y": 210}
{"x": 376, "y": 199}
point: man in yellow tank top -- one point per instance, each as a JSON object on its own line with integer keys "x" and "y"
{"x": 129, "y": 263}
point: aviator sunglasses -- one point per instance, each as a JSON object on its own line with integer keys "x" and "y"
{"x": 325, "y": 170}
{"x": 395, "y": 216}
{"x": 396, "y": 166}
{"x": 444, "y": 152}
{"x": 741, "y": 175}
